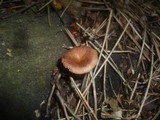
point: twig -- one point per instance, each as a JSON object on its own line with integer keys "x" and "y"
{"x": 92, "y": 2}
{"x": 58, "y": 111}
{"x": 95, "y": 8}
{"x": 107, "y": 58}
{"x": 71, "y": 36}
{"x": 51, "y": 95}
{"x": 153, "y": 100}
{"x": 134, "y": 89}
{"x": 45, "y": 5}
{"x": 158, "y": 38}
{"x": 101, "y": 26}
{"x": 49, "y": 100}
{"x": 132, "y": 38}
{"x": 66, "y": 8}
{"x": 148, "y": 86}
{"x": 131, "y": 65}
{"x": 112, "y": 50}
{"x": 112, "y": 87}
{"x": 105, "y": 39}
{"x": 120, "y": 51}
{"x": 142, "y": 49}
{"x": 113, "y": 66}
{"x": 70, "y": 111}
{"x": 86, "y": 80}
{"x": 104, "y": 77}
{"x": 85, "y": 31}
{"x": 62, "y": 104}
{"x": 21, "y": 11}
{"x": 104, "y": 83}
{"x": 94, "y": 96}
{"x": 89, "y": 109}
{"x": 156, "y": 45}
{"x": 106, "y": 52}
{"x": 81, "y": 115}
{"x": 131, "y": 25}
{"x": 157, "y": 114}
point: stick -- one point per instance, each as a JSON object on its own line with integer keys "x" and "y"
{"x": 71, "y": 36}
{"x": 89, "y": 109}
{"x": 62, "y": 104}
{"x": 148, "y": 86}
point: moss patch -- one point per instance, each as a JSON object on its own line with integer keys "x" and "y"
{"x": 29, "y": 49}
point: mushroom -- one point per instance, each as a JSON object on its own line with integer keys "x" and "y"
{"x": 80, "y": 59}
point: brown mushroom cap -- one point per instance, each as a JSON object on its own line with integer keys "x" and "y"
{"x": 80, "y": 59}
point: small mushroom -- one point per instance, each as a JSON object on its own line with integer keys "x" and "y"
{"x": 80, "y": 59}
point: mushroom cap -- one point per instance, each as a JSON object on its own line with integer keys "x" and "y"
{"x": 80, "y": 59}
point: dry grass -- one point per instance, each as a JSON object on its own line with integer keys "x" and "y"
{"x": 125, "y": 83}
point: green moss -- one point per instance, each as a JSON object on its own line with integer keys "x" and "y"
{"x": 25, "y": 77}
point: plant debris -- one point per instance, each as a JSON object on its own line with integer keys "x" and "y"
{"x": 125, "y": 84}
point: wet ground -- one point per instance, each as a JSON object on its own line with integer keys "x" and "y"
{"x": 29, "y": 50}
